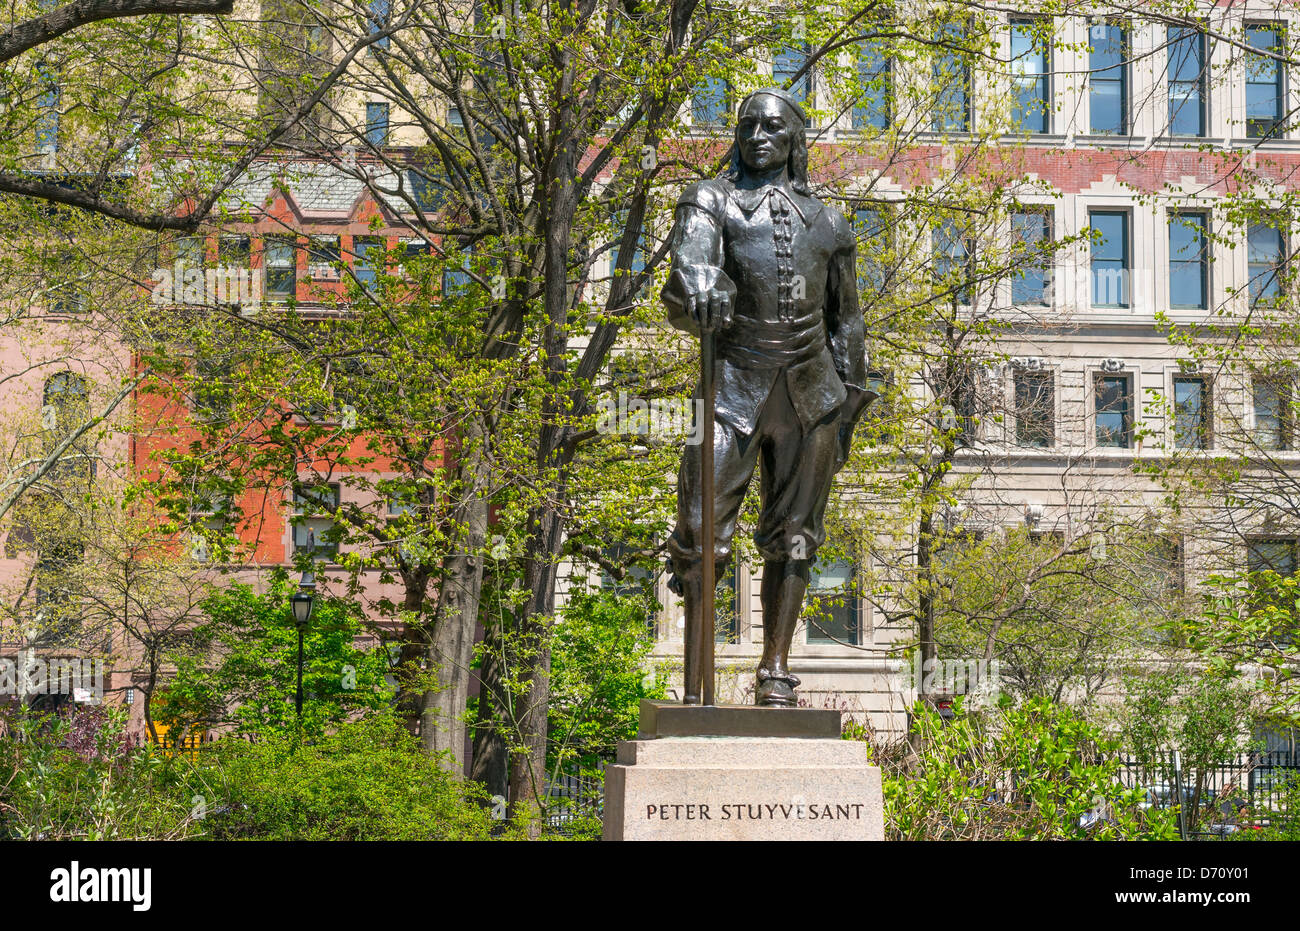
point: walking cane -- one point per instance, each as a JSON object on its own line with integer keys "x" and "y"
{"x": 707, "y": 565}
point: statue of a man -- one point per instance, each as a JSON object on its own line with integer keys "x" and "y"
{"x": 771, "y": 270}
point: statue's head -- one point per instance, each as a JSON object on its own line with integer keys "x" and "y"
{"x": 769, "y": 132}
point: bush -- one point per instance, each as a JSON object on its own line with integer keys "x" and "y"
{"x": 1282, "y": 815}
{"x": 1034, "y": 771}
{"x": 370, "y": 780}
{"x": 82, "y": 777}
{"x": 598, "y": 678}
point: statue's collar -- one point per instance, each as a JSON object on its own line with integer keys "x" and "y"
{"x": 750, "y": 199}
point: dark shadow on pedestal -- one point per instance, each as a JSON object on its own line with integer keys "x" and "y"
{"x": 670, "y": 719}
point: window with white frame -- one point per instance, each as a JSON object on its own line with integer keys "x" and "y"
{"x": 1113, "y": 410}
{"x": 1186, "y": 80}
{"x": 1272, "y": 397}
{"x": 1031, "y": 63}
{"x": 952, "y": 80}
{"x": 1189, "y": 259}
{"x": 1110, "y": 257}
{"x": 314, "y": 530}
{"x": 1192, "y": 412}
{"x": 871, "y": 109}
{"x": 281, "y": 259}
{"x": 1108, "y": 93}
{"x": 1265, "y": 81}
{"x": 1265, "y": 260}
{"x": 1031, "y": 243}
{"x": 323, "y": 257}
{"x": 834, "y": 602}
{"x": 1035, "y": 407}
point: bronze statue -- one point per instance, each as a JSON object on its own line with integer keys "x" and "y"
{"x": 765, "y": 274}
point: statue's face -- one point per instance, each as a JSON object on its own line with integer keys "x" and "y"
{"x": 765, "y": 132}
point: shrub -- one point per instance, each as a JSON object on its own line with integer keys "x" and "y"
{"x": 1033, "y": 771}
{"x": 369, "y": 780}
{"x": 81, "y": 777}
{"x": 1282, "y": 815}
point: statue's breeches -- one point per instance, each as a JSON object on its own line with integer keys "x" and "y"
{"x": 797, "y": 467}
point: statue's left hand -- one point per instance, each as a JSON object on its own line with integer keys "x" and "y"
{"x": 855, "y": 403}
{"x": 851, "y": 410}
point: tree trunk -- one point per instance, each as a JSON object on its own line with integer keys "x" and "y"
{"x": 927, "y": 647}
{"x": 545, "y": 524}
{"x": 490, "y": 762}
{"x": 450, "y": 650}
{"x": 147, "y": 690}
{"x": 528, "y": 763}
{"x": 442, "y": 649}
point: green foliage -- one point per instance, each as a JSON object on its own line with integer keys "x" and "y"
{"x": 1060, "y": 615}
{"x": 369, "y": 780}
{"x": 1247, "y": 626}
{"x": 1200, "y": 715}
{"x": 247, "y": 675}
{"x": 1033, "y": 771}
{"x": 83, "y": 778}
{"x": 598, "y": 677}
{"x": 1283, "y": 815}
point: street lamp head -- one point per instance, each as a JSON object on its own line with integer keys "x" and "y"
{"x": 301, "y": 600}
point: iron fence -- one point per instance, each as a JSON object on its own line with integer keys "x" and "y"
{"x": 1218, "y": 796}
{"x": 575, "y": 796}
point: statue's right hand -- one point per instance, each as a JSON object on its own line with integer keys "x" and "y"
{"x": 711, "y": 309}
{"x": 700, "y": 297}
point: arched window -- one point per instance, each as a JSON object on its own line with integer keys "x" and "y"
{"x": 66, "y": 396}
{"x": 65, "y": 405}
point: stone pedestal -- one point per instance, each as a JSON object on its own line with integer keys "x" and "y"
{"x": 743, "y": 788}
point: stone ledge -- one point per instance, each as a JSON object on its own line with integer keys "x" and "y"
{"x": 670, "y": 719}
{"x": 726, "y": 752}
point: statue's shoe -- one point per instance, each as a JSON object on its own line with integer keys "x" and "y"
{"x": 775, "y": 691}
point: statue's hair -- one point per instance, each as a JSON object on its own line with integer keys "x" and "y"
{"x": 798, "y": 164}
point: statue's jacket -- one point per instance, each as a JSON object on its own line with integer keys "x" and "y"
{"x": 789, "y": 262}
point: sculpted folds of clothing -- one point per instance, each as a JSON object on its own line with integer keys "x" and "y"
{"x": 806, "y": 330}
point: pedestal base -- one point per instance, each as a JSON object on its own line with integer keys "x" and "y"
{"x": 743, "y": 788}
{"x": 673, "y": 719}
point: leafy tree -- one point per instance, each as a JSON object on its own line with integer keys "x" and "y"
{"x": 244, "y": 668}
{"x": 599, "y": 675}
{"x": 1247, "y": 634}
{"x": 1200, "y": 715}
{"x": 139, "y": 111}
{"x": 598, "y": 678}
{"x": 1062, "y": 619}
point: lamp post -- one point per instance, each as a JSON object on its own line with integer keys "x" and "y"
{"x": 301, "y": 603}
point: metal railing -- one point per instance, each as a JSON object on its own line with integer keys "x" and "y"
{"x": 1247, "y": 789}
{"x": 573, "y": 797}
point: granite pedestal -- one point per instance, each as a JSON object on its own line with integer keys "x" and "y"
{"x": 668, "y": 785}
